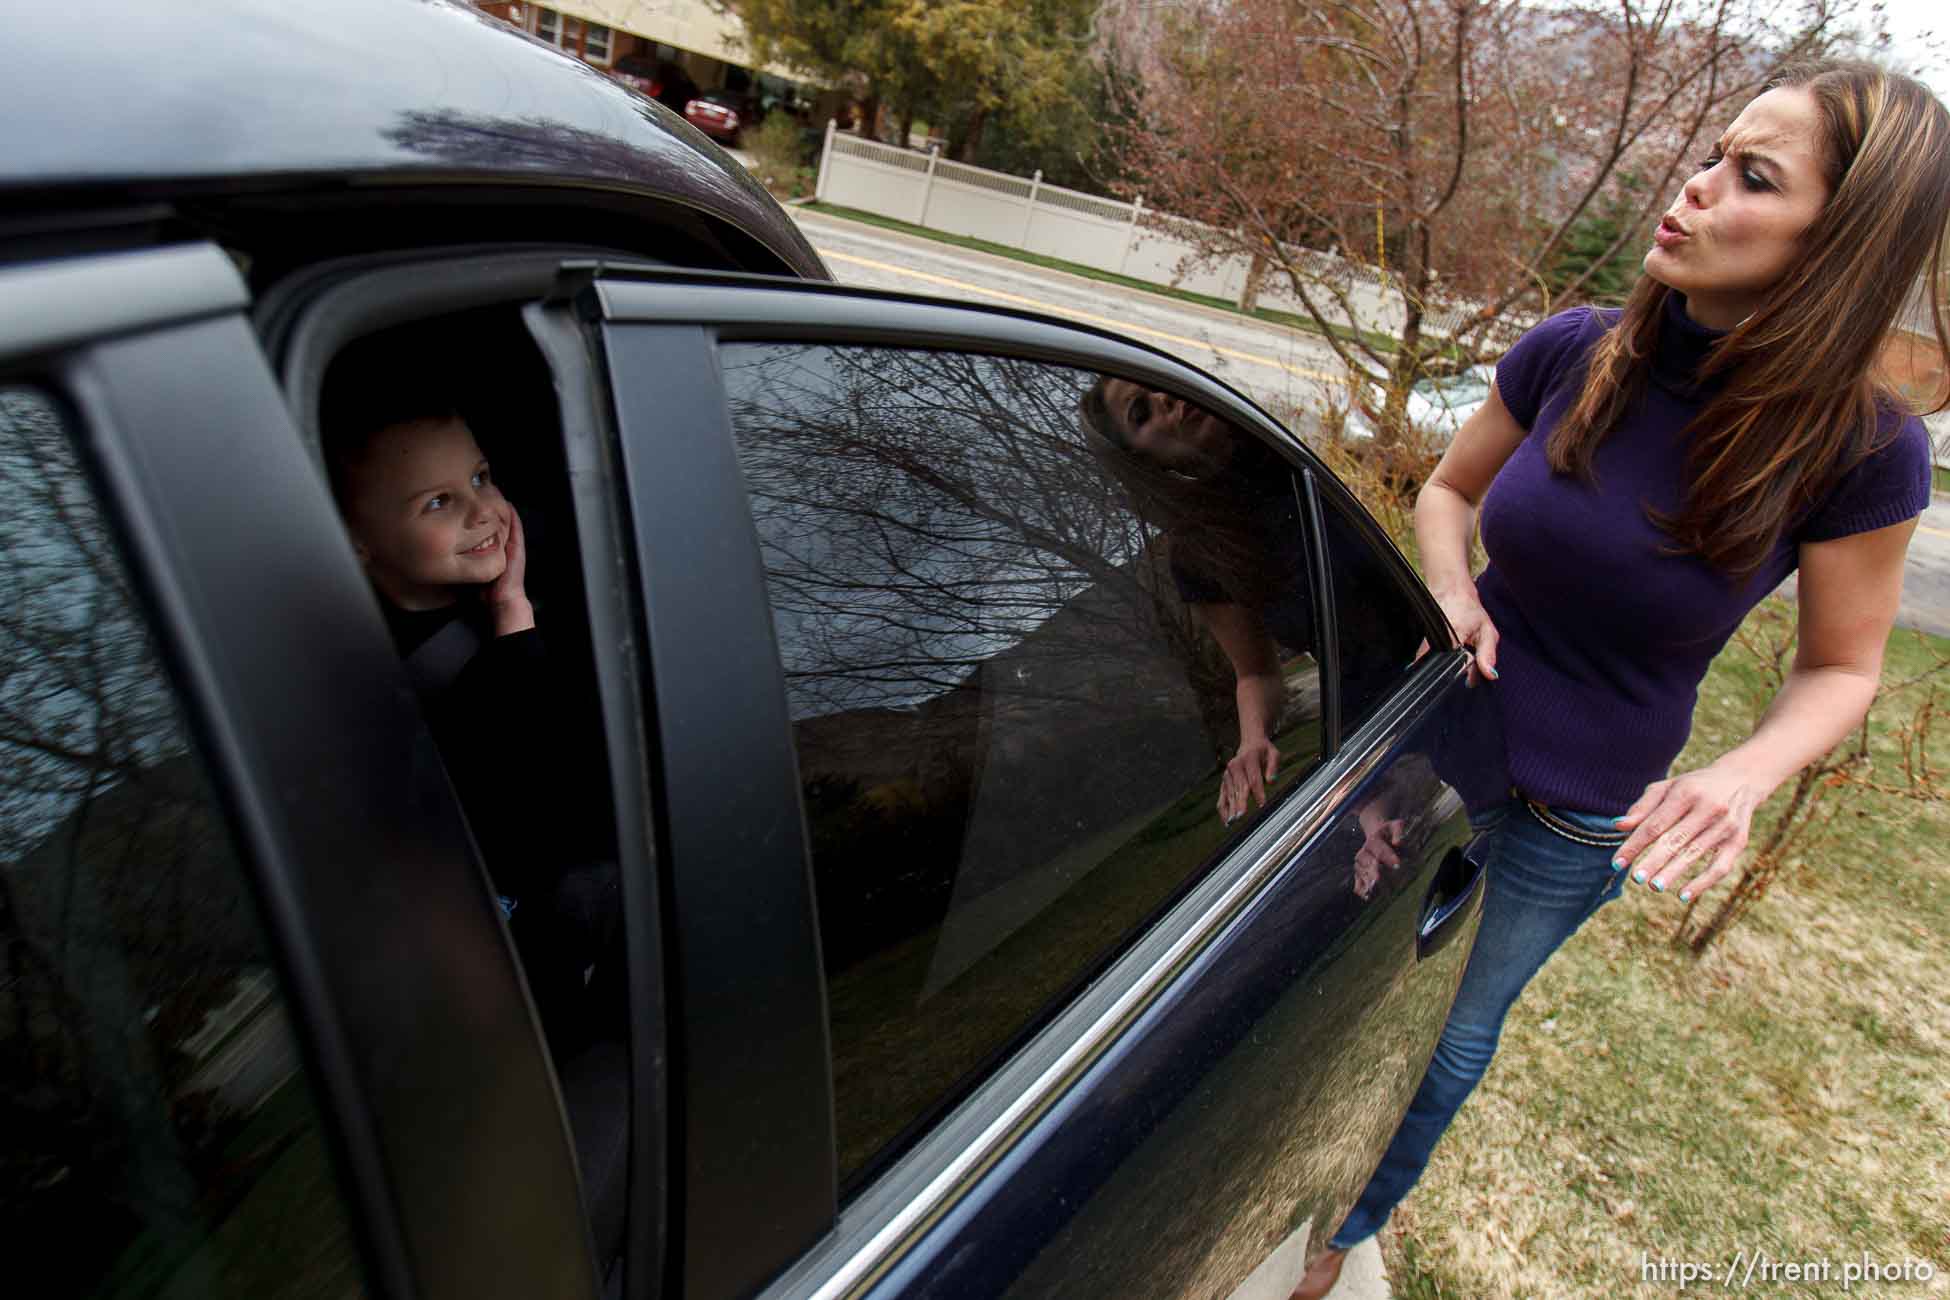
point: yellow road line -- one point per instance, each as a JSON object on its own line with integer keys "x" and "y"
{"x": 1124, "y": 327}
{"x": 1935, "y": 532}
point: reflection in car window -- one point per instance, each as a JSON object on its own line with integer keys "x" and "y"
{"x": 157, "y": 1133}
{"x": 1011, "y": 714}
{"x": 1379, "y": 628}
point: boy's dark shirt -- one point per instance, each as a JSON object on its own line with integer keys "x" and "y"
{"x": 529, "y": 779}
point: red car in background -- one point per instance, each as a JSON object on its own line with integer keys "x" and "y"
{"x": 723, "y": 115}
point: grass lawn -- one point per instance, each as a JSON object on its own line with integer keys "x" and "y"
{"x": 1789, "y": 1092}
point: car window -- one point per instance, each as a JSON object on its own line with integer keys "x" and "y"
{"x": 158, "y": 1133}
{"x": 995, "y": 586}
{"x": 1378, "y": 627}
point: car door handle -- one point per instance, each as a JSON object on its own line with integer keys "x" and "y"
{"x": 1452, "y": 897}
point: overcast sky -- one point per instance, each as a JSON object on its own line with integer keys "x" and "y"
{"x": 1908, "y": 21}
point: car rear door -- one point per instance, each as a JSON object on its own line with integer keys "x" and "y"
{"x": 263, "y": 982}
{"x": 973, "y": 990}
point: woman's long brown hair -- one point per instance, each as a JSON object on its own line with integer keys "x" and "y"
{"x": 1800, "y": 401}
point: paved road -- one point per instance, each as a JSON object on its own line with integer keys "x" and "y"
{"x": 1926, "y": 573}
{"x": 1926, "y": 576}
{"x": 1280, "y": 368}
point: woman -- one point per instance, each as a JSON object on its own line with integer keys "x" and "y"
{"x": 1644, "y": 478}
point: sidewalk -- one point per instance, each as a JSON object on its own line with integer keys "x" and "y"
{"x": 1362, "y": 1277}
{"x": 1939, "y": 427}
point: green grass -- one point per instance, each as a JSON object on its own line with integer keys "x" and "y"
{"x": 1789, "y": 1091}
{"x": 1382, "y": 343}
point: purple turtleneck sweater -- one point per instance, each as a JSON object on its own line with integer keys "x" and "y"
{"x": 1604, "y": 637}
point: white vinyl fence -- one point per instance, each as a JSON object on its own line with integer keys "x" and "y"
{"x": 925, "y": 189}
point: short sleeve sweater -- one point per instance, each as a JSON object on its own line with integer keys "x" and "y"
{"x": 1604, "y": 635}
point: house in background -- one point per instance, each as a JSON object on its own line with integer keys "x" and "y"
{"x": 670, "y": 50}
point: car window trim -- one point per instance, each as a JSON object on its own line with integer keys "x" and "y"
{"x": 59, "y": 305}
{"x": 307, "y": 317}
{"x": 1327, "y": 636}
{"x": 610, "y": 577}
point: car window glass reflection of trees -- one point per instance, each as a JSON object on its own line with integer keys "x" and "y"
{"x": 1010, "y": 723}
{"x": 156, "y": 1136}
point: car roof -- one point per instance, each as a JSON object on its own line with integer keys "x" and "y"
{"x": 104, "y": 95}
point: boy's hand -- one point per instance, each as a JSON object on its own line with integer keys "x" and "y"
{"x": 507, "y": 595}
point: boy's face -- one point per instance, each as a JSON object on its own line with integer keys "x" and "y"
{"x": 425, "y": 517}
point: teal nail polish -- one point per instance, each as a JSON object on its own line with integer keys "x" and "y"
{"x": 1656, "y": 885}
{"x": 1618, "y": 864}
{"x": 1639, "y": 876}
{"x": 1618, "y": 819}
{"x": 1685, "y": 895}
{"x": 1490, "y": 673}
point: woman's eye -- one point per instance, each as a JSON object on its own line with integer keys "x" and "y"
{"x": 1140, "y": 413}
{"x": 481, "y": 479}
{"x": 436, "y": 502}
{"x": 1707, "y": 163}
{"x": 1753, "y": 180}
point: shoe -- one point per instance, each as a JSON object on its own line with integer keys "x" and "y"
{"x": 1321, "y": 1275}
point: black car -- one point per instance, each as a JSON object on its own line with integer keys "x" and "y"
{"x": 931, "y": 966}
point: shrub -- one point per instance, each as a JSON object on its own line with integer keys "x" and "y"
{"x": 777, "y": 151}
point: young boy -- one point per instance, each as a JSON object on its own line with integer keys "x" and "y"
{"x": 429, "y": 523}
{"x": 447, "y": 556}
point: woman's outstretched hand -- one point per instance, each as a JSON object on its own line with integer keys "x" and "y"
{"x": 1700, "y": 817}
{"x": 1256, "y": 763}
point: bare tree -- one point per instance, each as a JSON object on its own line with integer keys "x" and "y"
{"x": 1409, "y": 170}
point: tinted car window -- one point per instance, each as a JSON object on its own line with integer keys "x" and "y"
{"x": 993, "y": 585}
{"x": 156, "y": 1134}
{"x": 1380, "y": 629}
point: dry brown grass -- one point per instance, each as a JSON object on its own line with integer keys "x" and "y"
{"x": 1789, "y": 1092}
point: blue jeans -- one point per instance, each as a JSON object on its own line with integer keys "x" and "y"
{"x": 1541, "y": 885}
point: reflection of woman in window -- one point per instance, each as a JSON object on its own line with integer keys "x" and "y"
{"x": 1227, "y": 507}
